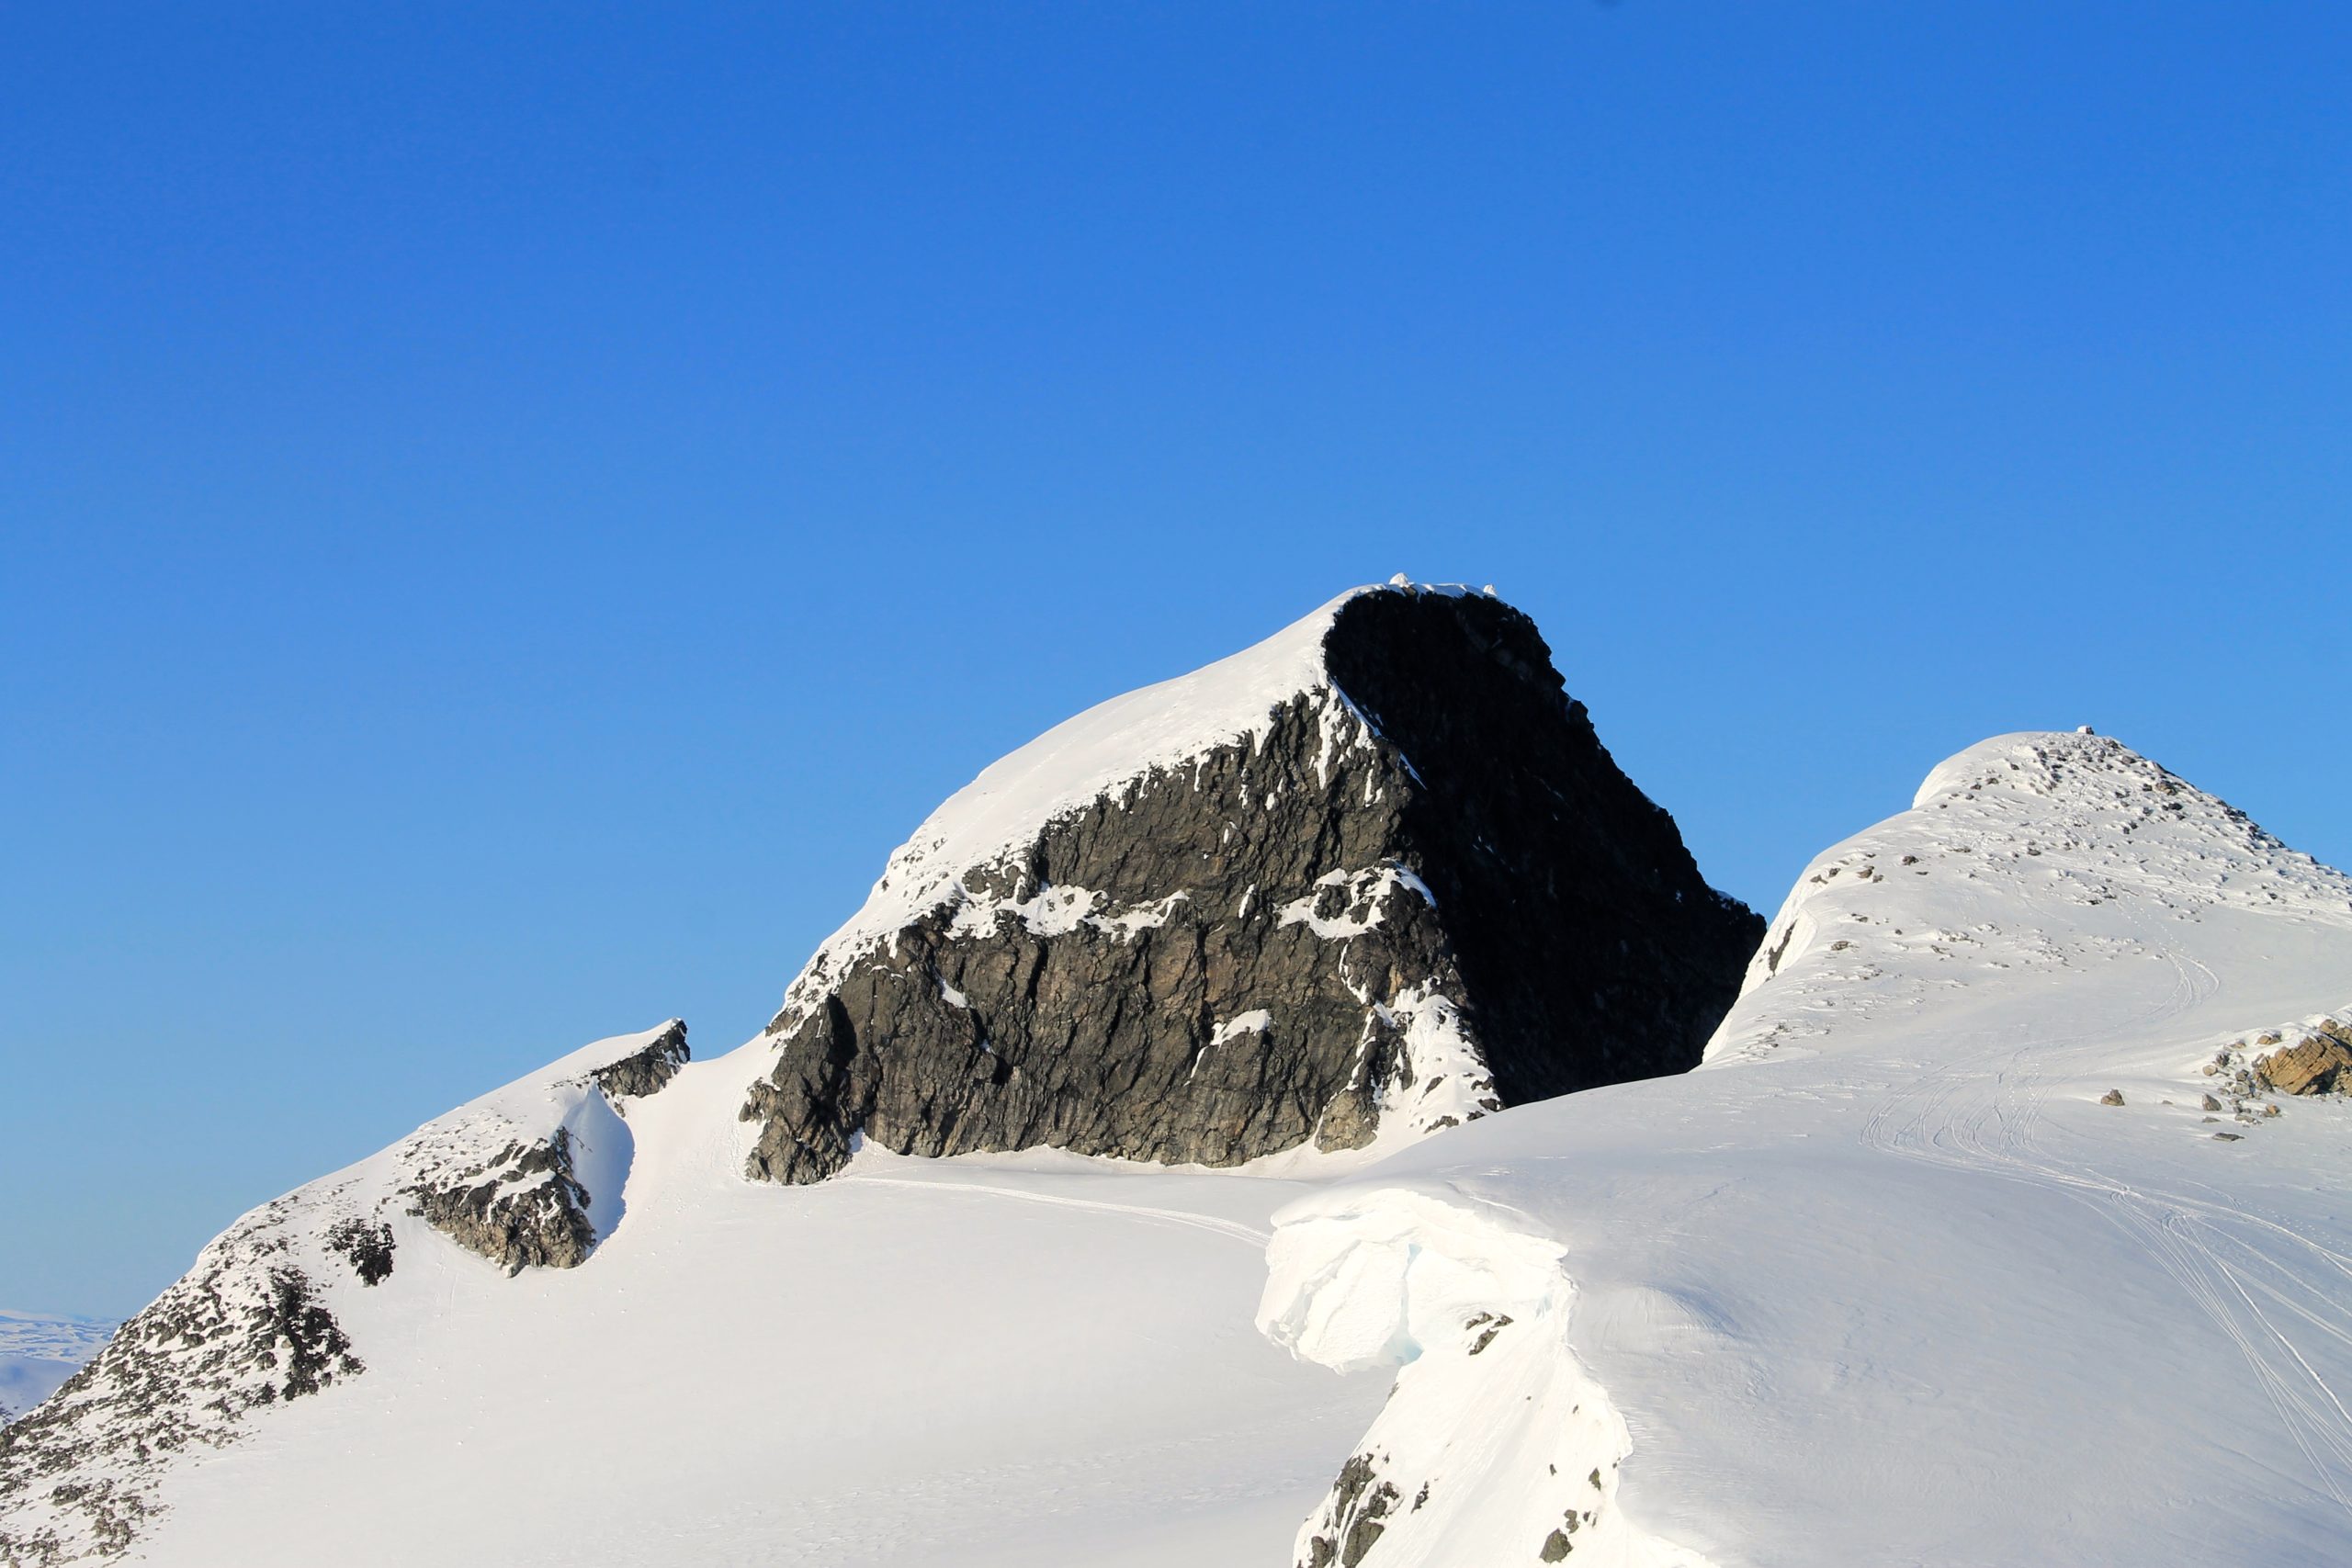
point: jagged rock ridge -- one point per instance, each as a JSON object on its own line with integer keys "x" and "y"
{"x": 1378, "y": 873}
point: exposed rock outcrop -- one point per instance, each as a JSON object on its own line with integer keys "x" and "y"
{"x": 245, "y": 1327}
{"x": 504, "y": 1176}
{"x": 524, "y": 1210}
{"x": 2320, "y": 1062}
{"x": 1377, "y": 874}
{"x": 648, "y": 1071}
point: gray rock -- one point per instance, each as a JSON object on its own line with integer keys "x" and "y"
{"x": 523, "y": 1207}
{"x": 242, "y": 1330}
{"x": 1479, "y": 868}
{"x": 524, "y": 1210}
{"x": 647, "y": 1071}
{"x": 1354, "y": 1515}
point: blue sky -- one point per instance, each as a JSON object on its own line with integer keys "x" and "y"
{"x": 506, "y": 518}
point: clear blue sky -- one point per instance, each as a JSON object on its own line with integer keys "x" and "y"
{"x": 506, "y": 518}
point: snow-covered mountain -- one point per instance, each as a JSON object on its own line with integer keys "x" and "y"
{"x": 1370, "y": 880}
{"x": 531, "y": 1173}
{"x": 1987, "y": 1230}
{"x": 1982, "y": 1237}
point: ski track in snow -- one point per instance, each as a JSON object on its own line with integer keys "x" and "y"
{"x": 1957, "y": 1116}
{"x": 1249, "y": 1236}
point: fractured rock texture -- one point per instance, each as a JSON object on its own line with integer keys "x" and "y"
{"x": 523, "y": 1206}
{"x": 647, "y": 1071}
{"x": 243, "y": 1328}
{"x": 2318, "y": 1064}
{"x": 1424, "y": 891}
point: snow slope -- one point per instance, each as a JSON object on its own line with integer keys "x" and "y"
{"x": 1886, "y": 1281}
{"x": 1015, "y": 1361}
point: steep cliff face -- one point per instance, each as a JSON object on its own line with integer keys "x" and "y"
{"x": 1374, "y": 876}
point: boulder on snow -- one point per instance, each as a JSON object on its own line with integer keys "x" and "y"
{"x": 2314, "y": 1065}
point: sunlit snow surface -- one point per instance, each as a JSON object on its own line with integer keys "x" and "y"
{"x": 1013, "y": 1360}
{"x": 1884, "y": 1283}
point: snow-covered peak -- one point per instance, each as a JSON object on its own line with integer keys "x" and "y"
{"x": 2038, "y": 849}
{"x": 1086, "y": 758}
{"x": 2097, "y": 807}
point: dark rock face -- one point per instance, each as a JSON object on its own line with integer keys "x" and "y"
{"x": 525, "y": 1208}
{"x": 1423, "y": 892}
{"x": 366, "y": 1247}
{"x": 1593, "y": 948}
{"x": 1355, "y": 1513}
{"x": 648, "y": 1071}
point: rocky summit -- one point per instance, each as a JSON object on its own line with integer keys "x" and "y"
{"x": 1374, "y": 877}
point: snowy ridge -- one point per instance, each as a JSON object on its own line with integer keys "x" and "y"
{"x": 522, "y": 1175}
{"x": 954, "y": 856}
{"x": 1977, "y": 1241}
{"x": 2020, "y": 851}
{"x": 1085, "y": 1381}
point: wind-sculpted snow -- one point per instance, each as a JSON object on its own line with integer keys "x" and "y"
{"x": 1496, "y": 1446}
{"x": 530, "y": 1174}
{"x": 1385, "y": 830}
{"x": 1978, "y": 1240}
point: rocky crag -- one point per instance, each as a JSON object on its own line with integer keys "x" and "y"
{"x": 1377, "y": 875}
